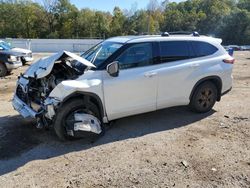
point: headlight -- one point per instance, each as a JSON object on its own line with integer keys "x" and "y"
{"x": 12, "y": 58}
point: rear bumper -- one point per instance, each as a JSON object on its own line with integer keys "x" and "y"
{"x": 23, "y": 108}
{"x": 13, "y": 65}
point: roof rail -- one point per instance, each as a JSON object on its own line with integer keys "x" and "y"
{"x": 194, "y": 33}
{"x": 180, "y": 33}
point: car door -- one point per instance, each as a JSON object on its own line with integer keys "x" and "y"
{"x": 133, "y": 91}
{"x": 175, "y": 74}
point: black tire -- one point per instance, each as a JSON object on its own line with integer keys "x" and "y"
{"x": 66, "y": 110}
{"x": 204, "y": 97}
{"x": 23, "y": 61}
{"x": 3, "y": 70}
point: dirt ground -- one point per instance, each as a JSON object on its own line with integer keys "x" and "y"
{"x": 168, "y": 148}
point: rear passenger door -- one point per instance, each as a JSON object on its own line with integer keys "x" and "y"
{"x": 174, "y": 73}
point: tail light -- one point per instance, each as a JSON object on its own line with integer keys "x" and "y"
{"x": 229, "y": 60}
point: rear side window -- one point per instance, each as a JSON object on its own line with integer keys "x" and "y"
{"x": 174, "y": 51}
{"x": 203, "y": 48}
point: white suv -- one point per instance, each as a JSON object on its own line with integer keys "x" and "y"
{"x": 123, "y": 76}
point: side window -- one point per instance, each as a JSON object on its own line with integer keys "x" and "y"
{"x": 203, "y": 48}
{"x": 174, "y": 51}
{"x": 137, "y": 55}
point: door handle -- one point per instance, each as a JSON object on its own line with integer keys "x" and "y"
{"x": 150, "y": 74}
{"x": 195, "y": 65}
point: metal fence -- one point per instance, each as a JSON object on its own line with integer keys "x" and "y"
{"x": 53, "y": 45}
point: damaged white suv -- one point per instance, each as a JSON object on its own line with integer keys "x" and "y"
{"x": 123, "y": 76}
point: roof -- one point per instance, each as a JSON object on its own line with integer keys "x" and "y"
{"x": 150, "y": 38}
{"x": 124, "y": 39}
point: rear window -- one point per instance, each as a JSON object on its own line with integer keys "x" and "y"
{"x": 174, "y": 50}
{"x": 203, "y": 48}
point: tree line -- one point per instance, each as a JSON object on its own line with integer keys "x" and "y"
{"x": 227, "y": 19}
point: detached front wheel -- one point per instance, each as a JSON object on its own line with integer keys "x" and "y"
{"x": 76, "y": 120}
{"x": 204, "y": 97}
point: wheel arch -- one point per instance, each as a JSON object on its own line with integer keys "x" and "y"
{"x": 86, "y": 96}
{"x": 216, "y": 80}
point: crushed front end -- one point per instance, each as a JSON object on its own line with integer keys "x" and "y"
{"x": 32, "y": 96}
{"x": 31, "y": 100}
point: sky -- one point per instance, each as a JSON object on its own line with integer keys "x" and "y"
{"x": 108, "y": 5}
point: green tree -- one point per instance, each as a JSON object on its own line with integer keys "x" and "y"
{"x": 117, "y": 22}
{"x": 228, "y": 19}
{"x": 30, "y": 15}
{"x": 66, "y": 19}
{"x": 155, "y": 17}
{"x": 86, "y": 23}
{"x": 215, "y": 11}
{"x": 49, "y": 18}
{"x": 102, "y": 22}
{"x": 244, "y": 4}
{"x": 184, "y": 16}
{"x": 236, "y": 28}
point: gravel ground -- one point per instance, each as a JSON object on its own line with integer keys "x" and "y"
{"x": 168, "y": 148}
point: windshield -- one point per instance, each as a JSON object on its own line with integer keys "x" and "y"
{"x": 5, "y": 45}
{"x": 99, "y": 53}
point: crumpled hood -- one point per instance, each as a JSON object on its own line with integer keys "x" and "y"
{"x": 21, "y": 50}
{"x": 44, "y": 66}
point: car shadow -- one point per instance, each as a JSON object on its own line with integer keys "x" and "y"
{"x": 21, "y": 142}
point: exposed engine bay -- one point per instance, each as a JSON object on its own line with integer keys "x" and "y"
{"x": 40, "y": 89}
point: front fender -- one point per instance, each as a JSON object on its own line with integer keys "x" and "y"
{"x": 66, "y": 88}
{"x": 72, "y": 88}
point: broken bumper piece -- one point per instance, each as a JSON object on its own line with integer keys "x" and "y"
{"x": 23, "y": 108}
{"x": 87, "y": 123}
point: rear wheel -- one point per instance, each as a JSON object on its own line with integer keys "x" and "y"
{"x": 3, "y": 70}
{"x": 75, "y": 119}
{"x": 204, "y": 97}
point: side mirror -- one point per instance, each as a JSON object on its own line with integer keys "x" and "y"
{"x": 113, "y": 69}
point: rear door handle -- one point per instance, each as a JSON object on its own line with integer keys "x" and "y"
{"x": 150, "y": 74}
